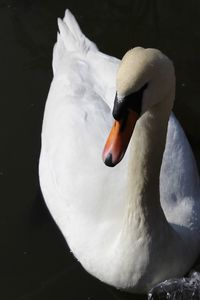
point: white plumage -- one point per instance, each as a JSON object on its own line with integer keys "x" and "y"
{"x": 88, "y": 200}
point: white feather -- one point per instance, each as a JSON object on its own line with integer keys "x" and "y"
{"x": 85, "y": 197}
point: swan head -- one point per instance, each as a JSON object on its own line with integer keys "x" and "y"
{"x": 145, "y": 78}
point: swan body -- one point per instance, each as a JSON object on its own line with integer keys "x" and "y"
{"x": 138, "y": 223}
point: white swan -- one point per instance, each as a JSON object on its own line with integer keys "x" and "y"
{"x": 133, "y": 225}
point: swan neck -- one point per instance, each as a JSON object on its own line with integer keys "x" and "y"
{"x": 146, "y": 152}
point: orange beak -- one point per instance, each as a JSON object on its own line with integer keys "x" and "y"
{"x": 119, "y": 138}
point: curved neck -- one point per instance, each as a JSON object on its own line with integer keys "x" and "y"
{"x": 146, "y": 151}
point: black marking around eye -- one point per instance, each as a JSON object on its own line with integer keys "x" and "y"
{"x": 124, "y": 121}
{"x": 119, "y": 109}
{"x": 132, "y": 101}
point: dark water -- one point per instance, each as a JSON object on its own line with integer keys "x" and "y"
{"x": 35, "y": 262}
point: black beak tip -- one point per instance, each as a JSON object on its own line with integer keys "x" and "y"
{"x": 108, "y": 161}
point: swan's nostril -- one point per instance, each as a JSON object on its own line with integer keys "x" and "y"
{"x": 108, "y": 161}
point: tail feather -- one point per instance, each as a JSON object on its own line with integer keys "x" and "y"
{"x": 67, "y": 37}
{"x": 70, "y": 39}
{"x": 72, "y": 24}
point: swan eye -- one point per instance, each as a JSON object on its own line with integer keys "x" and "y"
{"x": 132, "y": 101}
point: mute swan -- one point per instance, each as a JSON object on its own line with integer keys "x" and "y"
{"x": 138, "y": 223}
